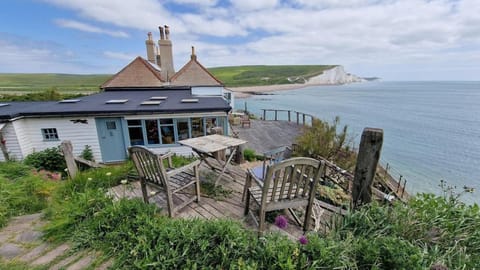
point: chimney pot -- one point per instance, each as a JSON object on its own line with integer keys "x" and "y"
{"x": 193, "y": 56}
{"x": 161, "y": 33}
{"x": 167, "y": 32}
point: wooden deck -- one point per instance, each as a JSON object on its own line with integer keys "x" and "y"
{"x": 264, "y": 136}
{"x": 231, "y": 207}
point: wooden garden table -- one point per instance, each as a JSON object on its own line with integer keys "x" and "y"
{"x": 207, "y": 146}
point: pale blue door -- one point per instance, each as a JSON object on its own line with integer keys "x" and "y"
{"x": 110, "y": 136}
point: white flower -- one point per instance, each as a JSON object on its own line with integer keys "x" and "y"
{"x": 108, "y": 174}
{"x": 124, "y": 182}
{"x": 89, "y": 179}
{"x": 66, "y": 170}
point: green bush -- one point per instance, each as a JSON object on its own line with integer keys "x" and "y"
{"x": 49, "y": 159}
{"x": 87, "y": 153}
{"x": 324, "y": 139}
{"x": 249, "y": 154}
{"x": 442, "y": 227}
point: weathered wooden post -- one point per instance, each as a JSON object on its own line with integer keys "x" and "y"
{"x": 289, "y": 118}
{"x": 264, "y": 114}
{"x": 67, "y": 150}
{"x": 367, "y": 160}
{"x": 239, "y": 154}
{"x": 276, "y": 115}
{"x": 297, "y": 118}
{"x": 304, "y": 119}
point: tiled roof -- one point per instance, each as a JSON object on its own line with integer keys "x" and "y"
{"x": 194, "y": 74}
{"x": 139, "y": 73}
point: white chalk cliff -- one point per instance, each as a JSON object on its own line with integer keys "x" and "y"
{"x": 336, "y": 75}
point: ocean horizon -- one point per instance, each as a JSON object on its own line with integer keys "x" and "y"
{"x": 431, "y": 128}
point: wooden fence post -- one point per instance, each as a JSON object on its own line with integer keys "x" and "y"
{"x": 67, "y": 150}
{"x": 276, "y": 115}
{"x": 264, "y": 115}
{"x": 367, "y": 160}
{"x": 289, "y": 116}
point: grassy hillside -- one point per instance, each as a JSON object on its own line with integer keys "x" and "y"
{"x": 19, "y": 82}
{"x": 266, "y": 75}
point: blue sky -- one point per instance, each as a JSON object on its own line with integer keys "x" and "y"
{"x": 391, "y": 39}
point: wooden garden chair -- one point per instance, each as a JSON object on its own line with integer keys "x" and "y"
{"x": 245, "y": 121}
{"x": 288, "y": 184}
{"x": 172, "y": 183}
{"x": 270, "y": 157}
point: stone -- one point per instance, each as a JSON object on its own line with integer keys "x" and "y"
{"x": 34, "y": 253}
{"x": 83, "y": 263}
{"x": 65, "y": 262}
{"x": 51, "y": 255}
{"x": 28, "y": 236}
{"x": 9, "y": 251}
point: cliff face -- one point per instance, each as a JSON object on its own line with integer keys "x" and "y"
{"x": 336, "y": 75}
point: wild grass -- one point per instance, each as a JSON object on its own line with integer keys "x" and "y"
{"x": 428, "y": 231}
{"x": 22, "y": 192}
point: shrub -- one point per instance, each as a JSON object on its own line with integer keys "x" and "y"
{"x": 443, "y": 227}
{"x": 249, "y": 154}
{"x": 323, "y": 139}
{"x": 87, "y": 153}
{"x": 49, "y": 159}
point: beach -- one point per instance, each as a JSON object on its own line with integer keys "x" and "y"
{"x": 244, "y": 92}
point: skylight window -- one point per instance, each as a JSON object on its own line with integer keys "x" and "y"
{"x": 158, "y": 98}
{"x": 69, "y": 101}
{"x": 116, "y": 101}
{"x": 190, "y": 100}
{"x": 151, "y": 102}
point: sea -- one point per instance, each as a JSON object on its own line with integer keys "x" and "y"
{"x": 431, "y": 129}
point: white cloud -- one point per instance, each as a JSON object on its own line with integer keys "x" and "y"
{"x": 202, "y": 3}
{"x": 17, "y": 58}
{"x": 88, "y": 28}
{"x": 356, "y": 33}
{"x": 249, "y": 5}
{"x": 138, "y": 14}
{"x": 119, "y": 55}
{"x": 212, "y": 27}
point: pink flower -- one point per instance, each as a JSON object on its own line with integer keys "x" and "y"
{"x": 281, "y": 222}
{"x": 303, "y": 240}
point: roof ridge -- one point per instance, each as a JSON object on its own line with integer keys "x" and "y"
{"x": 189, "y": 63}
{"x": 138, "y": 58}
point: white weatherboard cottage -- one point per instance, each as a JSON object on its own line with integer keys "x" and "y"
{"x": 146, "y": 103}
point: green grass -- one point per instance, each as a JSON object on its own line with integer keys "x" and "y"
{"x": 266, "y": 75}
{"x": 18, "y": 83}
{"x": 72, "y": 83}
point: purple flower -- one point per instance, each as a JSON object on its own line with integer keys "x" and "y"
{"x": 281, "y": 222}
{"x": 303, "y": 240}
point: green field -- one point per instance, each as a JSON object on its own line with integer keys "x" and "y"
{"x": 18, "y": 83}
{"x": 266, "y": 75}
{"x": 69, "y": 83}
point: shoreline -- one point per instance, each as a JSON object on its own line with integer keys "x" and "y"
{"x": 248, "y": 91}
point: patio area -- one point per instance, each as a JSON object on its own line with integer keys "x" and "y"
{"x": 229, "y": 206}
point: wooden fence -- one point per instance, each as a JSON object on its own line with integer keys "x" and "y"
{"x": 301, "y": 118}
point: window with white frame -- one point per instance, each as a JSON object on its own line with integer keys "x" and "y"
{"x": 50, "y": 134}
